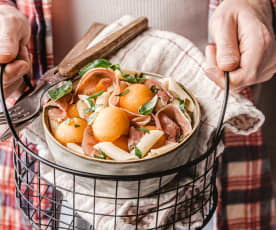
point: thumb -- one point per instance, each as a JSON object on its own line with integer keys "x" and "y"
{"x": 225, "y": 35}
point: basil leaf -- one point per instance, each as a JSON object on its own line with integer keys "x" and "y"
{"x": 138, "y": 152}
{"x": 90, "y": 133}
{"x": 99, "y": 63}
{"x": 149, "y": 106}
{"x": 89, "y": 110}
{"x": 154, "y": 89}
{"x": 180, "y": 138}
{"x": 143, "y": 129}
{"x": 102, "y": 156}
{"x": 123, "y": 93}
{"x": 90, "y": 102}
{"x": 91, "y": 118}
{"x": 95, "y": 95}
{"x": 76, "y": 125}
{"x": 131, "y": 78}
{"x": 58, "y": 93}
{"x": 181, "y": 104}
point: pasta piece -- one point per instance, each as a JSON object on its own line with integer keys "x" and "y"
{"x": 75, "y": 147}
{"x": 81, "y": 107}
{"x": 147, "y": 141}
{"x": 114, "y": 152}
{"x": 164, "y": 148}
{"x": 178, "y": 92}
{"x": 102, "y": 101}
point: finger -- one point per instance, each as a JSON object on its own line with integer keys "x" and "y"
{"x": 14, "y": 30}
{"x": 224, "y": 30}
{"x": 211, "y": 69}
{"x": 17, "y": 68}
{"x": 252, "y": 46}
{"x": 15, "y": 89}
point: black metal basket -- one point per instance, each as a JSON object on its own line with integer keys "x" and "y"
{"x": 44, "y": 204}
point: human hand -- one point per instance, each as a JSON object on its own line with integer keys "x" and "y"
{"x": 244, "y": 44}
{"x": 14, "y": 38}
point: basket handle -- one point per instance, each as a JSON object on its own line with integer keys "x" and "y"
{"x": 219, "y": 129}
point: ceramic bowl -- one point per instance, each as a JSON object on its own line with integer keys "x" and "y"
{"x": 174, "y": 158}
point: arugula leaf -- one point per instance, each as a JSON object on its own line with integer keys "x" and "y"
{"x": 91, "y": 118}
{"x": 143, "y": 129}
{"x": 76, "y": 125}
{"x": 149, "y": 106}
{"x": 99, "y": 63}
{"x": 181, "y": 104}
{"x": 95, "y": 95}
{"x": 102, "y": 156}
{"x": 154, "y": 89}
{"x": 59, "y": 92}
{"x": 180, "y": 138}
{"x": 90, "y": 133}
{"x": 123, "y": 93}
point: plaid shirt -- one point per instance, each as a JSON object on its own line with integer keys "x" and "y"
{"x": 244, "y": 177}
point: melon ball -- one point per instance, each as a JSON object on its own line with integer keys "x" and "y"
{"x": 122, "y": 143}
{"x": 162, "y": 139}
{"x": 138, "y": 95}
{"x": 71, "y": 130}
{"x": 110, "y": 124}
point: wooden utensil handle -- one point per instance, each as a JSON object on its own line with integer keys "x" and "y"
{"x": 104, "y": 48}
{"x": 89, "y": 36}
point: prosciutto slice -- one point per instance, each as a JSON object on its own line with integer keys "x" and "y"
{"x": 163, "y": 93}
{"x": 88, "y": 142}
{"x": 173, "y": 122}
{"x": 62, "y": 105}
{"x": 88, "y": 83}
{"x": 135, "y": 136}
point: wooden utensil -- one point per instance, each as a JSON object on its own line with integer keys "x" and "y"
{"x": 109, "y": 45}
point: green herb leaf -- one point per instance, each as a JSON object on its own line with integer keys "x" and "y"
{"x": 181, "y": 104}
{"x": 138, "y": 152}
{"x": 143, "y": 129}
{"x": 67, "y": 121}
{"x": 101, "y": 156}
{"x": 180, "y": 138}
{"x": 89, "y": 110}
{"x": 95, "y": 95}
{"x": 123, "y": 93}
{"x": 90, "y": 133}
{"x": 99, "y": 63}
{"x": 149, "y": 106}
{"x": 91, "y": 118}
{"x": 131, "y": 78}
{"x": 154, "y": 89}
{"x": 58, "y": 93}
{"x": 76, "y": 125}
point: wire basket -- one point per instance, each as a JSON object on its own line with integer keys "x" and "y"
{"x": 52, "y": 204}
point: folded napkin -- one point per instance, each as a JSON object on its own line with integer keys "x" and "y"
{"x": 173, "y": 56}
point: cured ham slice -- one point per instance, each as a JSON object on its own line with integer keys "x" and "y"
{"x": 62, "y": 106}
{"x": 134, "y": 136}
{"x": 94, "y": 77}
{"x": 88, "y": 142}
{"x": 162, "y": 92}
{"x": 173, "y": 122}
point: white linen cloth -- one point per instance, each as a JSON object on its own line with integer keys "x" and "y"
{"x": 173, "y": 56}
